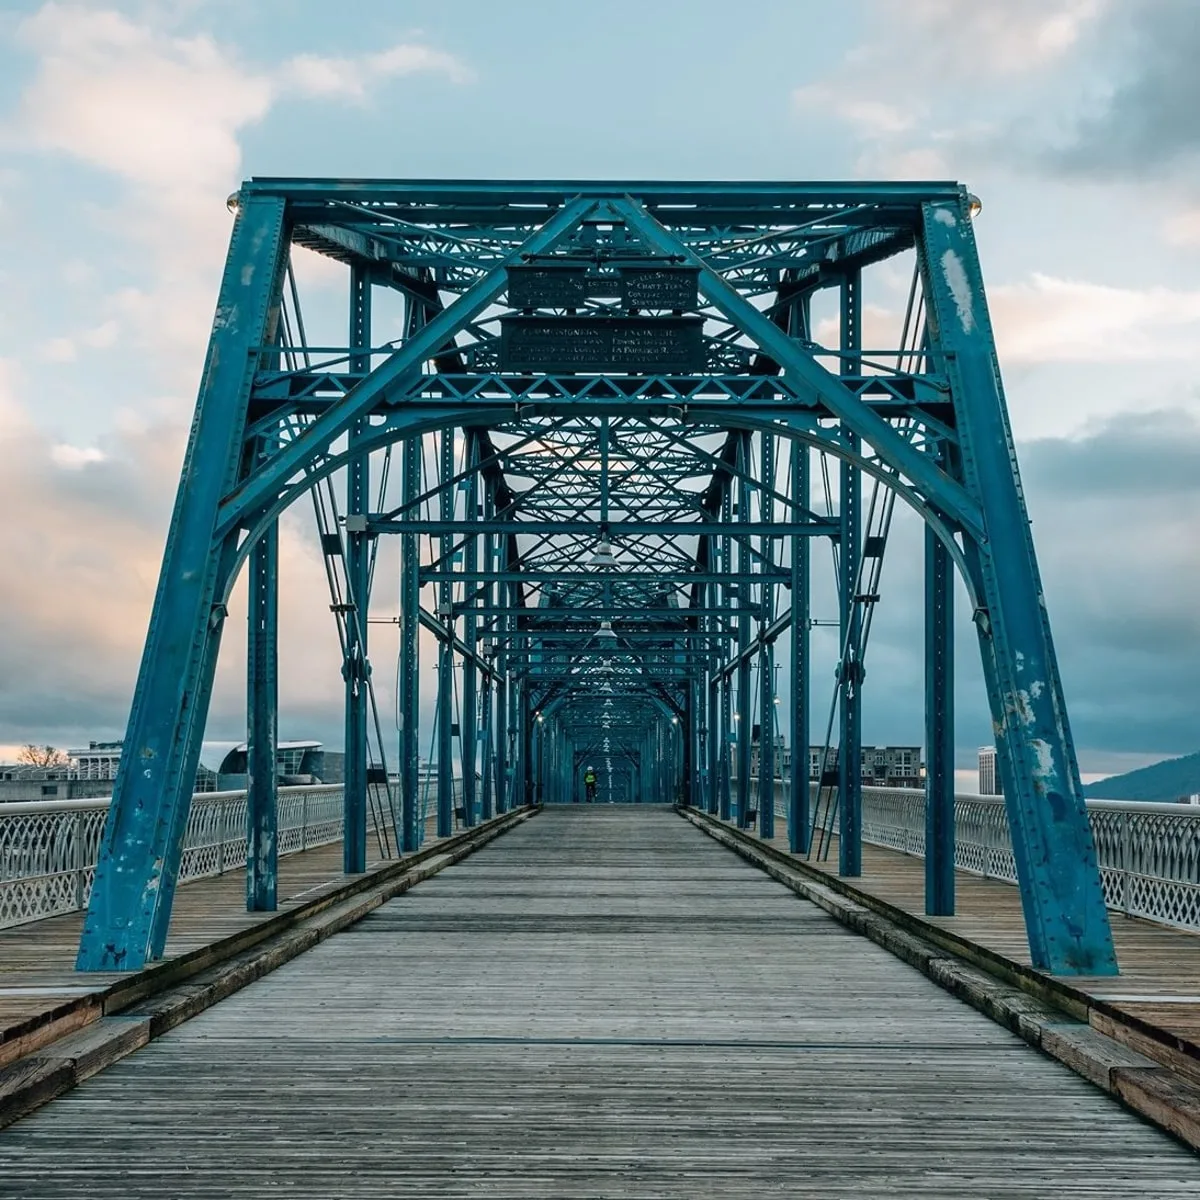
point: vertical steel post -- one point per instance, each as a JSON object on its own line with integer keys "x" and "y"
{"x": 469, "y": 717}
{"x": 766, "y": 657}
{"x": 487, "y": 700}
{"x": 849, "y": 612}
{"x": 939, "y": 728}
{"x": 745, "y": 730}
{"x": 356, "y": 669}
{"x": 500, "y": 720}
{"x": 262, "y": 724}
{"x": 713, "y": 700}
{"x": 445, "y": 693}
{"x": 799, "y": 816}
{"x": 408, "y": 694}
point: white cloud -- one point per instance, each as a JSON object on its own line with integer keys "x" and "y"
{"x": 164, "y": 111}
{"x": 72, "y": 458}
{"x": 1183, "y": 228}
{"x": 102, "y": 336}
{"x": 64, "y": 349}
{"x": 58, "y": 350}
{"x": 867, "y": 116}
{"x": 1008, "y": 38}
{"x": 160, "y": 111}
{"x": 351, "y": 78}
{"x": 164, "y": 114}
{"x": 1047, "y": 319}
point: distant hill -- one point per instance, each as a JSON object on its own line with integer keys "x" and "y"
{"x": 1163, "y": 781}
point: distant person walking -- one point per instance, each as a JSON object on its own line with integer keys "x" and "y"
{"x": 589, "y": 785}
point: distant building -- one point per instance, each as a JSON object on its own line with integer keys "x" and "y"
{"x": 893, "y": 766}
{"x": 989, "y": 785}
{"x": 90, "y": 772}
{"x": 21, "y": 783}
{"x": 781, "y": 756}
{"x": 98, "y": 761}
{"x": 296, "y": 763}
{"x": 879, "y": 766}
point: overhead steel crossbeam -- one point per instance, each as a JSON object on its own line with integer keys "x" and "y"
{"x": 609, "y": 403}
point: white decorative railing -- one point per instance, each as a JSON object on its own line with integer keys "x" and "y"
{"x": 1149, "y": 854}
{"x": 48, "y": 850}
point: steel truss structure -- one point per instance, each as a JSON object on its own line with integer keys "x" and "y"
{"x": 608, "y": 405}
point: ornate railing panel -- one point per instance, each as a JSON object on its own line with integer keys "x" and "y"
{"x": 48, "y": 851}
{"x": 1149, "y": 854}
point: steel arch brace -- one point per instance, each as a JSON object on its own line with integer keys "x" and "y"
{"x": 396, "y": 374}
{"x": 1061, "y": 891}
{"x": 803, "y": 373}
{"x": 130, "y": 905}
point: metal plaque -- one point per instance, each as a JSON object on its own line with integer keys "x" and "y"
{"x": 547, "y": 287}
{"x": 617, "y": 345}
{"x": 673, "y": 288}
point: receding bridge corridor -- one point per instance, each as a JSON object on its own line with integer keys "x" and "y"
{"x": 603, "y": 1002}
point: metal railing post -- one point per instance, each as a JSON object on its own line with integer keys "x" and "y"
{"x": 221, "y": 831}
{"x": 1126, "y": 874}
{"x": 81, "y": 864}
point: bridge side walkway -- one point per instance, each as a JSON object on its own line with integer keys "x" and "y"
{"x": 38, "y": 980}
{"x": 603, "y": 1002}
{"x": 1157, "y": 991}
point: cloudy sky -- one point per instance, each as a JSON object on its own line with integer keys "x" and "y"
{"x": 123, "y": 126}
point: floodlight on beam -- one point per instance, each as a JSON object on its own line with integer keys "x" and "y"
{"x": 603, "y": 558}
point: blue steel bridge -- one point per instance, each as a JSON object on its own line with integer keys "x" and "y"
{"x": 607, "y": 424}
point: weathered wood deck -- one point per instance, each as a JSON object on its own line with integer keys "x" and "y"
{"x": 602, "y": 1003}
{"x": 1159, "y": 983}
{"x": 37, "y": 960}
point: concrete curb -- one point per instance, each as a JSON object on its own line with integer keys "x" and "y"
{"x": 1145, "y": 1084}
{"x": 130, "y": 1013}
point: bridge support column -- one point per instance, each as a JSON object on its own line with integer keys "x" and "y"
{"x": 500, "y": 718}
{"x": 262, "y": 709}
{"x": 745, "y": 710}
{"x": 468, "y": 726}
{"x": 939, "y": 728}
{"x": 408, "y": 696}
{"x": 850, "y": 615}
{"x": 727, "y": 734}
{"x": 356, "y": 667}
{"x": 1055, "y": 855}
{"x": 766, "y": 657}
{"x": 799, "y": 815}
{"x": 712, "y": 698}
{"x": 130, "y": 905}
{"x": 445, "y": 692}
{"x": 487, "y": 796}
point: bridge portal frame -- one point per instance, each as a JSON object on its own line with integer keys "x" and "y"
{"x": 937, "y": 435}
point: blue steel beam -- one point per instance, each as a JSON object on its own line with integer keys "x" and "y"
{"x": 130, "y": 906}
{"x": 262, "y": 725}
{"x": 850, "y": 676}
{"x": 1061, "y": 893}
{"x": 356, "y": 667}
{"x": 408, "y": 692}
{"x": 799, "y": 816}
{"x": 939, "y": 729}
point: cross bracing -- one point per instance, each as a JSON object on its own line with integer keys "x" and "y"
{"x": 614, "y": 419}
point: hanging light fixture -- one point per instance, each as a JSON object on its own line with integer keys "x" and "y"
{"x": 603, "y": 557}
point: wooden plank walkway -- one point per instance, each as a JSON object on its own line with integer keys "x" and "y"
{"x": 603, "y": 1003}
{"x": 37, "y": 960}
{"x": 1160, "y": 966}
